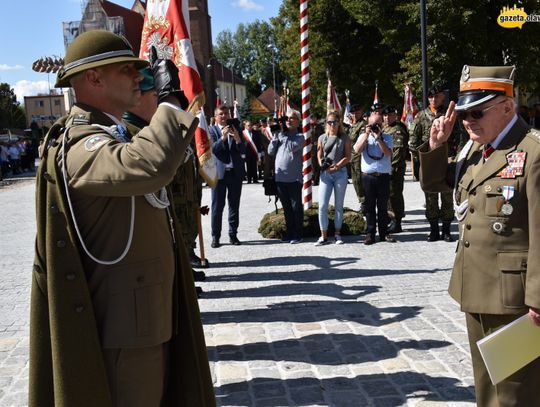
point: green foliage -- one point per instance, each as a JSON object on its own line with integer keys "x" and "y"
{"x": 272, "y": 224}
{"x": 12, "y": 115}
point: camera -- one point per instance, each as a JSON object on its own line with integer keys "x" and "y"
{"x": 375, "y": 128}
{"x": 235, "y": 124}
{"x": 326, "y": 163}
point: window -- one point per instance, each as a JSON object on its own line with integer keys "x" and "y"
{"x": 38, "y": 103}
{"x": 57, "y": 102}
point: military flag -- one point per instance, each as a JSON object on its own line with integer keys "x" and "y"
{"x": 376, "y": 95}
{"x": 167, "y": 28}
{"x": 332, "y": 101}
{"x": 410, "y": 107}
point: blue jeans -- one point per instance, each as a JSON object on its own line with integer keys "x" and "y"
{"x": 336, "y": 182}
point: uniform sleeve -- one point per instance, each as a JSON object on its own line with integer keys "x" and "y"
{"x": 434, "y": 168}
{"x": 532, "y": 291}
{"x": 416, "y": 136}
{"x": 97, "y": 164}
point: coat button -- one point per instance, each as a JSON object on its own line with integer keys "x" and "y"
{"x": 61, "y": 244}
{"x": 54, "y": 209}
{"x": 468, "y": 227}
{"x": 467, "y": 244}
{"x": 70, "y": 276}
{"x": 79, "y": 308}
{"x": 471, "y": 209}
{"x": 499, "y": 189}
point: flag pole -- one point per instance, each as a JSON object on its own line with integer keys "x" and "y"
{"x": 306, "y": 128}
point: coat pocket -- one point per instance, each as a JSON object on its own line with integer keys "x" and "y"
{"x": 513, "y": 268}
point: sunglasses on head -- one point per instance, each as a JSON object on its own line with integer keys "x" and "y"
{"x": 476, "y": 114}
{"x": 332, "y": 122}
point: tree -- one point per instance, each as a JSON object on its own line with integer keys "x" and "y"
{"x": 12, "y": 115}
{"x": 248, "y": 52}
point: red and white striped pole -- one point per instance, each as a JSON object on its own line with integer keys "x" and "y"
{"x": 306, "y": 128}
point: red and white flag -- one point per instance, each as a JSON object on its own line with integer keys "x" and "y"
{"x": 218, "y": 98}
{"x": 332, "y": 101}
{"x": 167, "y": 28}
{"x": 410, "y": 107}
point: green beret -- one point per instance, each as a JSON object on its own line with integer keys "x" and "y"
{"x": 147, "y": 82}
{"x": 93, "y": 49}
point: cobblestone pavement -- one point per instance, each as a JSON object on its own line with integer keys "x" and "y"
{"x": 292, "y": 325}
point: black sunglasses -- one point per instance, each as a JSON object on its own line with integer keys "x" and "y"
{"x": 332, "y": 122}
{"x": 476, "y": 114}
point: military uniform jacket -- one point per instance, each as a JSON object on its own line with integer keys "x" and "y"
{"x": 354, "y": 131}
{"x": 400, "y": 137}
{"x": 497, "y": 265}
{"x": 422, "y": 128}
{"x": 79, "y": 306}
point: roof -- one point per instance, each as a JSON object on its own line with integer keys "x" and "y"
{"x": 267, "y": 98}
{"x": 224, "y": 74}
{"x": 133, "y": 22}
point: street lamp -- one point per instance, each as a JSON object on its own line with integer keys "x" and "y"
{"x": 273, "y": 48}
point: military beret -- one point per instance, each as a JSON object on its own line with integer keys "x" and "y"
{"x": 389, "y": 109}
{"x": 479, "y": 84}
{"x": 93, "y": 49}
{"x": 147, "y": 82}
{"x": 435, "y": 89}
{"x": 263, "y": 121}
{"x": 376, "y": 106}
{"x": 355, "y": 107}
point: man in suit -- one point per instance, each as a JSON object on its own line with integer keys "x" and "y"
{"x": 496, "y": 182}
{"x": 252, "y": 138}
{"x": 230, "y": 151}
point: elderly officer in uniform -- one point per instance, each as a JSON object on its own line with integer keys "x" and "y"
{"x": 114, "y": 315}
{"x": 496, "y": 181}
{"x": 400, "y": 138}
{"x": 420, "y": 134}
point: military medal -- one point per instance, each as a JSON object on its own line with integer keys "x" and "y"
{"x": 498, "y": 227}
{"x": 507, "y": 209}
{"x": 500, "y": 203}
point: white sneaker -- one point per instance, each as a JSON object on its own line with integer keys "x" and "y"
{"x": 338, "y": 239}
{"x": 321, "y": 241}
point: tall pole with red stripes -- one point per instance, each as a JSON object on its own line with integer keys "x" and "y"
{"x": 306, "y": 128}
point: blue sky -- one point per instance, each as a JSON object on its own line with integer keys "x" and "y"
{"x": 32, "y": 29}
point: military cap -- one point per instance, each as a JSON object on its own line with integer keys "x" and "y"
{"x": 389, "y": 109}
{"x": 95, "y": 48}
{"x": 355, "y": 107}
{"x": 376, "y": 106}
{"x": 435, "y": 89}
{"x": 479, "y": 84}
{"x": 147, "y": 82}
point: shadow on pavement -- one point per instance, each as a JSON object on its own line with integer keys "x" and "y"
{"x": 321, "y": 262}
{"x": 382, "y": 389}
{"x": 315, "y": 311}
{"x": 322, "y": 349}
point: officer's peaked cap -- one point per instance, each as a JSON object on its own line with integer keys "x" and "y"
{"x": 93, "y": 49}
{"x": 480, "y": 84}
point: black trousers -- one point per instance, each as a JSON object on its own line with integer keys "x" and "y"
{"x": 229, "y": 187}
{"x": 290, "y": 195}
{"x": 377, "y": 191}
{"x": 251, "y": 167}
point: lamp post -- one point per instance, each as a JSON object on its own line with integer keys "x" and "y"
{"x": 273, "y": 48}
{"x": 231, "y": 62}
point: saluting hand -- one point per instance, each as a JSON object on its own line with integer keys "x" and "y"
{"x": 442, "y": 127}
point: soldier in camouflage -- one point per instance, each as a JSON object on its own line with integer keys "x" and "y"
{"x": 317, "y": 129}
{"x": 356, "y": 128}
{"x": 420, "y": 134}
{"x": 400, "y": 137}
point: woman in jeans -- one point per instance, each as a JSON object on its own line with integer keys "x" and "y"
{"x": 333, "y": 154}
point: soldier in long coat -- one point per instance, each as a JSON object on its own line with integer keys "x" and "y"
{"x": 496, "y": 183}
{"x": 114, "y": 315}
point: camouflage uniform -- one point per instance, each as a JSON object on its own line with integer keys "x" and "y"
{"x": 316, "y": 131}
{"x": 355, "y": 164}
{"x": 400, "y": 136}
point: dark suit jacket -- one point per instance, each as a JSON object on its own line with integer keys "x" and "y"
{"x": 225, "y": 152}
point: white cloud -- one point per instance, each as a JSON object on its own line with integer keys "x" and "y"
{"x": 248, "y": 5}
{"x": 28, "y": 88}
{"x": 6, "y": 67}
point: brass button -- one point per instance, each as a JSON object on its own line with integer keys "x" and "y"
{"x": 499, "y": 189}
{"x": 468, "y": 227}
{"x": 467, "y": 244}
{"x": 79, "y": 308}
{"x": 61, "y": 244}
{"x": 70, "y": 276}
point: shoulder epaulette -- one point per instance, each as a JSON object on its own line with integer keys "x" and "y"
{"x": 534, "y": 134}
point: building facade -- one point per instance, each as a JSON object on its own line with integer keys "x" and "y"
{"x": 44, "y": 109}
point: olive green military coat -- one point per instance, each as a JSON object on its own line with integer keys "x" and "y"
{"x": 79, "y": 306}
{"x": 494, "y": 272}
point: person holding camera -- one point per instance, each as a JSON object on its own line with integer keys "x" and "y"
{"x": 286, "y": 146}
{"x": 376, "y": 149}
{"x": 333, "y": 155}
{"x": 230, "y": 151}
